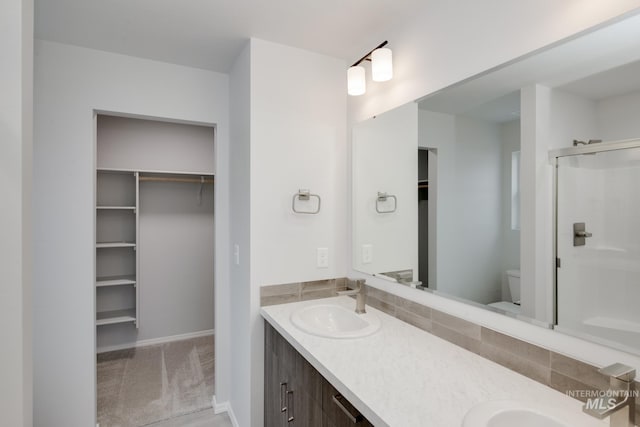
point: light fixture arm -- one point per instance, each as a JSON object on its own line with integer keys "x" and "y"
{"x": 368, "y": 55}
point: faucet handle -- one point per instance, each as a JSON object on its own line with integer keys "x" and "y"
{"x": 619, "y": 371}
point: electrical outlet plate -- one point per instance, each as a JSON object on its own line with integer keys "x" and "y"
{"x": 322, "y": 256}
{"x": 367, "y": 254}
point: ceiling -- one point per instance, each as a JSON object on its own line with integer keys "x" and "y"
{"x": 601, "y": 63}
{"x": 614, "y": 82}
{"x": 210, "y": 34}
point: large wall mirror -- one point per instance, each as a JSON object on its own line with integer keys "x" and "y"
{"x": 512, "y": 191}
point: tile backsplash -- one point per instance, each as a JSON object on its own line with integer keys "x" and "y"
{"x": 301, "y": 291}
{"x": 545, "y": 366}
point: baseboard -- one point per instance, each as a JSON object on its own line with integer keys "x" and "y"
{"x": 219, "y": 408}
{"x": 154, "y": 341}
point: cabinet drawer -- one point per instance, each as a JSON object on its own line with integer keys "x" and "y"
{"x": 339, "y": 412}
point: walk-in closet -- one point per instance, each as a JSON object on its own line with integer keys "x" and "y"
{"x": 154, "y": 261}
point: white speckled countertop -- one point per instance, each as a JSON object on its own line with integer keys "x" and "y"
{"x": 403, "y": 376}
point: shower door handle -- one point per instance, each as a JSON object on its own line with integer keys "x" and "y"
{"x": 580, "y": 234}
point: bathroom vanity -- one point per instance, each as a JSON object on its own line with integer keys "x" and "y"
{"x": 397, "y": 376}
{"x": 296, "y": 394}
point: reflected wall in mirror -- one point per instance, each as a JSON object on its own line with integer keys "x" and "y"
{"x": 481, "y": 171}
{"x": 474, "y": 200}
{"x": 385, "y": 209}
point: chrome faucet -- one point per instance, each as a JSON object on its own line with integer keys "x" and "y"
{"x": 618, "y": 402}
{"x": 359, "y": 293}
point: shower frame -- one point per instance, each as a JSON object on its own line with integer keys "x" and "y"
{"x": 554, "y": 155}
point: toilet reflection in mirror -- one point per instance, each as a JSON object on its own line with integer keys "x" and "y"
{"x": 512, "y": 305}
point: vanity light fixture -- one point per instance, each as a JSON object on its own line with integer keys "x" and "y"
{"x": 381, "y": 69}
{"x": 356, "y": 82}
{"x": 381, "y": 65}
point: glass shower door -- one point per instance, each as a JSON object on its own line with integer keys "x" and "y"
{"x": 598, "y": 246}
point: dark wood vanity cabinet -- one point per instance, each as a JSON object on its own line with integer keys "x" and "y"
{"x": 296, "y": 394}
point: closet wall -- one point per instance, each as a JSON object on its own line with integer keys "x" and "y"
{"x": 175, "y": 234}
{"x": 70, "y": 84}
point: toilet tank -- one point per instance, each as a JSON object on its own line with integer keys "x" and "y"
{"x": 513, "y": 279}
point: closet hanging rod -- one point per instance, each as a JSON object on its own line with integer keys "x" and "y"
{"x": 176, "y": 179}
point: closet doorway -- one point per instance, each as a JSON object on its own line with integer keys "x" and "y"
{"x": 154, "y": 287}
{"x": 427, "y": 208}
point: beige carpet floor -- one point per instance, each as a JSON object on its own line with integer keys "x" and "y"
{"x": 138, "y": 387}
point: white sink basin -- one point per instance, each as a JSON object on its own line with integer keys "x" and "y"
{"x": 334, "y": 321}
{"x": 510, "y": 413}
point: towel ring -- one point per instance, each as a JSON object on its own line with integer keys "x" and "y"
{"x": 305, "y": 195}
{"x": 383, "y": 197}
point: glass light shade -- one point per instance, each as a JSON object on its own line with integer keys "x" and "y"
{"x": 356, "y": 83}
{"x": 381, "y": 65}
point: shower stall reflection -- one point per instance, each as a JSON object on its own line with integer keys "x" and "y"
{"x": 598, "y": 243}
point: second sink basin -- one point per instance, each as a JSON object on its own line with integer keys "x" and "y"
{"x": 334, "y": 321}
{"x": 509, "y": 413}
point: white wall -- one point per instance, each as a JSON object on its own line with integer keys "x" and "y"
{"x": 385, "y": 159}
{"x": 570, "y": 117}
{"x": 617, "y": 117}
{"x": 476, "y": 217}
{"x": 298, "y": 140}
{"x": 127, "y": 143}
{"x": 535, "y": 201}
{"x": 437, "y": 131}
{"x": 16, "y": 115}
{"x": 240, "y": 204}
{"x": 510, "y": 136}
{"x": 71, "y": 82}
{"x": 468, "y": 204}
{"x": 289, "y": 132}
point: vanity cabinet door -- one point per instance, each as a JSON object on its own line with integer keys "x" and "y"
{"x": 287, "y": 403}
{"x": 287, "y": 357}
{"x": 307, "y": 411}
{"x": 275, "y": 389}
{"x": 296, "y": 395}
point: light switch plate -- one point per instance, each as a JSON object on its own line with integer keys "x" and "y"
{"x": 236, "y": 254}
{"x": 322, "y": 258}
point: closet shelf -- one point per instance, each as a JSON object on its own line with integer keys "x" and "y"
{"x": 102, "y": 245}
{"x": 115, "y": 281}
{"x": 116, "y": 208}
{"x": 200, "y": 180}
{"x": 157, "y": 171}
{"x": 116, "y": 316}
